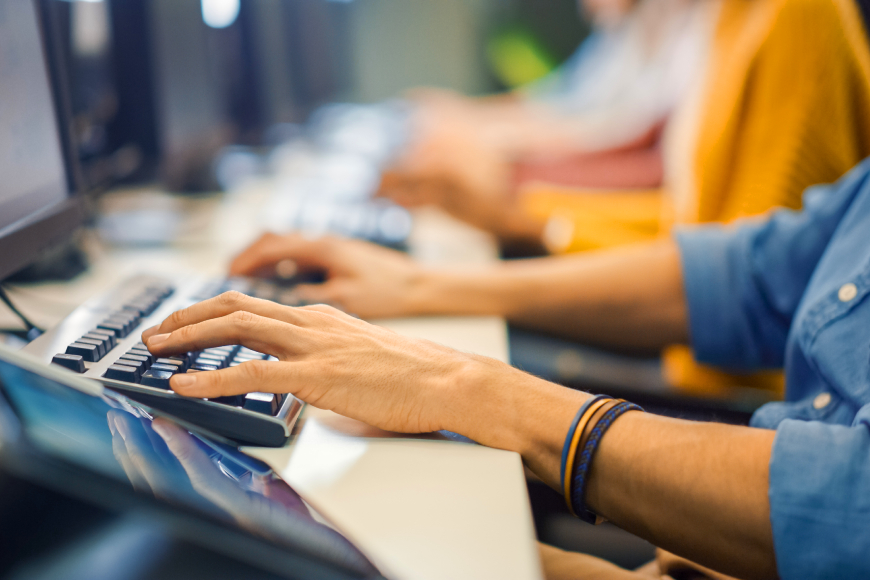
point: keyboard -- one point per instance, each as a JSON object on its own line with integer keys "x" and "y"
{"x": 101, "y": 340}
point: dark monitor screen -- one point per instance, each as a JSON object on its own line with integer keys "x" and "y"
{"x": 31, "y": 162}
{"x": 56, "y": 427}
{"x": 189, "y": 83}
{"x": 35, "y": 209}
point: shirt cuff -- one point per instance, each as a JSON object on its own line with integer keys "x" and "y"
{"x": 819, "y": 505}
{"x": 710, "y": 294}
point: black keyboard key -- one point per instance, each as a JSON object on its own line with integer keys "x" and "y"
{"x": 183, "y": 358}
{"x": 143, "y": 359}
{"x": 88, "y": 352}
{"x": 116, "y": 327}
{"x": 168, "y": 368}
{"x": 140, "y": 345}
{"x": 245, "y": 351}
{"x": 266, "y": 403}
{"x": 216, "y": 353}
{"x": 141, "y": 352}
{"x": 134, "y": 310}
{"x": 163, "y": 292}
{"x": 229, "y": 349}
{"x": 122, "y": 373}
{"x": 179, "y": 365}
{"x": 159, "y": 379}
{"x": 210, "y": 359}
{"x": 203, "y": 367}
{"x": 108, "y": 343}
{"x": 101, "y": 347}
{"x": 139, "y": 363}
{"x": 128, "y": 323}
{"x": 72, "y": 362}
{"x": 110, "y": 336}
{"x": 141, "y": 307}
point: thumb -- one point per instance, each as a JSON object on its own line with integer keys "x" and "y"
{"x": 248, "y": 377}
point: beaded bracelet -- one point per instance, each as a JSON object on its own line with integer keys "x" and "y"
{"x": 589, "y": 440}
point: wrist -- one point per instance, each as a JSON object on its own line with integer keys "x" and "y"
{"x": 422, "y": 297}
{"x": 502, "y": 407}
{"x": 460, "y": 292}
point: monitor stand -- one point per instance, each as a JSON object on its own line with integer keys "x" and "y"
{"x": 60, "y": 264}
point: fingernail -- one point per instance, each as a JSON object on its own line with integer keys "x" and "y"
{"x": 157, "y": 339}
{"x": 184, "y": 381}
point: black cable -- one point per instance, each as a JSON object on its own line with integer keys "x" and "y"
{"x": 33, "y": 331}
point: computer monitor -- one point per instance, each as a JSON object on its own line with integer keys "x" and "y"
{"x": 109, "y": 123}
{"x": 147, "y": 82}
{"x": 190, "y": 84}
{"x": 37, "y": 207}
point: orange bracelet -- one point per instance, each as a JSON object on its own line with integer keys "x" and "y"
{"x": 572, "y": 451}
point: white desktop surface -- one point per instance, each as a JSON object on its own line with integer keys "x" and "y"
{"x": 421, "y": 508}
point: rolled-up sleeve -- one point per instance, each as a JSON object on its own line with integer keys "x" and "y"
{"x": 820, "y": 500}
{"x": 743, "y": 282}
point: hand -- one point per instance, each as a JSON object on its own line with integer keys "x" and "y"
{"x": 451, "y": 169}
{"x": 325, "y": 358}
{"x": 364, "y": 279}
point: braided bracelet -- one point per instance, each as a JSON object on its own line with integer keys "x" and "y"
{"x": 573, "y": 440}
{"x": 589, "y": 440}
{"x": 569, "y": 438}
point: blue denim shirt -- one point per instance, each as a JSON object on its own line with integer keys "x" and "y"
{"x": 791, "y": 290}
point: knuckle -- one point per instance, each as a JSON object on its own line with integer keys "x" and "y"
{"x": 217, "y": 382}
{"x": 232, "y": 299}
{"x": 257, "y": 371}
{"x": 243, "y": 318}
{"x": 178, "y": 318}
{"x": 325, "y": 308}
{"x": 186, "y": 334}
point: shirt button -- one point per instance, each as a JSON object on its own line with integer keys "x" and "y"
{"x": 822, "y": 400}
{"x": 847, "y": 292}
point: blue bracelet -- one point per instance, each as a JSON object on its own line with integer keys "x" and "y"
{"x": 584, "y": 461}
{"x": 570, "y": 435}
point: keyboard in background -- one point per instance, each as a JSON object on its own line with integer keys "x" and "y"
{"x": 102, "y": 340}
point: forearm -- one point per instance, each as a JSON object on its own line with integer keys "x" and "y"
{"x": 696, "y": 489}
{"x": 628, "y": 297}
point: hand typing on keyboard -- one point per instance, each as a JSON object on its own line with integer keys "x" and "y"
{"x": 367, "y": 280}
{"x": 325, "y": 358}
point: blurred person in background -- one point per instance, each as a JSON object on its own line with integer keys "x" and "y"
{"x": 613, "y": 93}
{"x": 781, "y": 104}
{"x": 595, "y": 121}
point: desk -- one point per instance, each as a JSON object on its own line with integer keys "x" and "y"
{"x": 421, "y": 508}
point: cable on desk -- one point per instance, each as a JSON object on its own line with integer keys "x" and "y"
{"x": 33, "y": 331}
